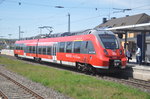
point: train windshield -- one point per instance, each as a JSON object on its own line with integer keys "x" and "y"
{"x": 109, "y": 41}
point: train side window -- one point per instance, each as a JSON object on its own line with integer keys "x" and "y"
{"x": 77, "y": 46}
{"x": 21, "y": 47}
{"x": 90, "y": 48}
{"x": 39, "y": 49}
{"x": 18, "y": 47}
{"x": 15, "y": 47}
{"x": 44, "y": 50}
{"x": 27, "y": 49}
{"x": 33, "y": 49}
{"x": 30, "y": 49}
{"x": 49, "y": 48}
{"x": 84, "y": 45}
{"x": 62, "y": 47}
{"x": 55, "y": 49}
{"x": 69, "y": 47}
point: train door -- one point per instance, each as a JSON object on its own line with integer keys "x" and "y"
{"x": 54, "y": 51}
{"x": 84, "y": 51}
{"x": 89, "y": 50}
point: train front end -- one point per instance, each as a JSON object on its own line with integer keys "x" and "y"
{"x": 110, "y": 53}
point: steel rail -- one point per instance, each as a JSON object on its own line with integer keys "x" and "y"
{"x": 23, "y": 87}
{"x": 2, "y": 95}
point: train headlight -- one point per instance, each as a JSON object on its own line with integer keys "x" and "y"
{"x": 105, "y": 51}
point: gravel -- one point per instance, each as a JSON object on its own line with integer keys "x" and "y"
{"x": 45, "y": 92}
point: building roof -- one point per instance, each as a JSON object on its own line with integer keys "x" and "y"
{"x": 128, "y": 20}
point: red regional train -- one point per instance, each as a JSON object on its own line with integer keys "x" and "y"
{"x": 88, "y": 51}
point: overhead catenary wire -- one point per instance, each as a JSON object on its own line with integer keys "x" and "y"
{"x": 68, "y": 7}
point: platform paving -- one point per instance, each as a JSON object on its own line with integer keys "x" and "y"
{"x": 138, "y": 71}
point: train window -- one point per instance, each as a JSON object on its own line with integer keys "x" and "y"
{"x": 17, "y": 47}
{"x": 39, "y": 50}
{"x": 109, "y": 41}
{"x": 44, "y": 50}
{"x": 55, "y": 49}
{"x": 69, "y": 47}
{"x": 30, "y": 49}
{"x": 77, "y": 46}
{"x": 33, "y": 49}
{"x": 27, "y": 49}
{"x": 90, "y": 48}
{"x": 20, "y": 47}
{"x": 23, "y": 47}
{"x": 62, "y": 47}
{"x": 49, "y": 48}
{"x": 84, "y": 47}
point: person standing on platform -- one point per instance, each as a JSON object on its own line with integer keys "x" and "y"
{"x": 128, "y": 55}
{"x": 138, "y": 55}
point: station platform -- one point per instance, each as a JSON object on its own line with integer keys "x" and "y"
{"x": 138, "y": 71}
{"x": 133, "y": 70}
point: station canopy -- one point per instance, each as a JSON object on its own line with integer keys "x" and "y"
{"x": 145, "y": 27}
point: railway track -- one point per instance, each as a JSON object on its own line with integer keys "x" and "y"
{"x": 15, "y": 89}
{"x": 136, "y": 83}
{"x": 140, "y": 84}
{"x": 2, "y": 95}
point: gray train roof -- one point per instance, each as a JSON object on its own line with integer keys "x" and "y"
{"x": 84, "y": 32}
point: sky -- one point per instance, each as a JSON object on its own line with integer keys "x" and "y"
{"x": 84, "y": 14}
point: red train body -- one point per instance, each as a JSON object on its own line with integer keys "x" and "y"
{"x": 90, "y": 51}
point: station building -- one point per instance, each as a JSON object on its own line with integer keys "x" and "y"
{"x": 128, "y": 20}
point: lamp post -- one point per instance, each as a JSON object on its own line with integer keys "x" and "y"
{"x": 22, "y": 33}
{"x": 67, "y": 15}
{"x": 19, "y": 32}
{"x": 68, "y": 22}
